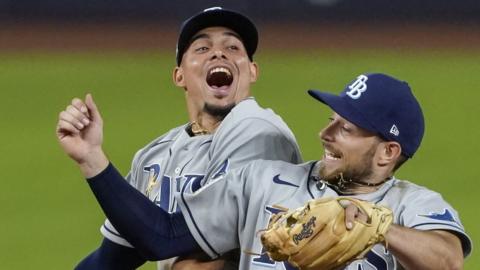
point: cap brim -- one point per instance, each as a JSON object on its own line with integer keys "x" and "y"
{"x": 239, "y": 23}
{"x": 343, "y": 108}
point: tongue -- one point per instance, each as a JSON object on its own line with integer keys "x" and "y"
{"x": 223, "y": 87}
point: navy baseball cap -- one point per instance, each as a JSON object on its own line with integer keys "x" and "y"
{"x": 383, "y": 105}
{"x": 217, "y": 16}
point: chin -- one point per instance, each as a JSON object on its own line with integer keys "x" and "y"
{"x": 328, "y": 174}
{"x": 219, "y": 111}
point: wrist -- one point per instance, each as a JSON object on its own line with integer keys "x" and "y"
{"x": 95, "y": 162}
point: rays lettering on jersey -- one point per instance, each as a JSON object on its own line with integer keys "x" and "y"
{"x": 264, "y": 260}
{"x": 169, "y": 186}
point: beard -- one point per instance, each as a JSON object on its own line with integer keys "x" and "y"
{"x": 358, "y": 172}
{"x": 219, "y": 112}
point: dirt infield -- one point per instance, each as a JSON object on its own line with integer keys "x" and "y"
{"x": 153, "y": 36}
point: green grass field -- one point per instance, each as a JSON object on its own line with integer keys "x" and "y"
{"x": 49, "y": 218}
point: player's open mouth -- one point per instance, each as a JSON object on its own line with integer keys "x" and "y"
{"x": 219, "y": 78}
{"x": 332, "y": 155}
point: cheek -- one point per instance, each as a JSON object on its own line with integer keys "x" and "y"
{"x": 362, "y": 156}
{"x": 192, "y": 63}
{"x": 244, "y": 68}
{"x": 193, "y": 68}
{"x": 193, "y": 75}
{"x": 355, "y": 154}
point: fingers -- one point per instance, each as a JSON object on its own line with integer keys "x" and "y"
{"x": 80, "y": 106}
{"x": 351, "y": 212}
{"x": 74, "y": 118}
{"x": 66, "y": 117}
{"x": 92, "y": 107}
{"x": 65, "y": 128}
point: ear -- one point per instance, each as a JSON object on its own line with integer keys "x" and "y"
{"x": 178, "y": 78}
{"x": 254, "y": 71}
{"x": 389, "y": 153}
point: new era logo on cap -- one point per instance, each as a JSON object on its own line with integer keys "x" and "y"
{"x": 381, "y": 104}
{"x": 394, "y": 130}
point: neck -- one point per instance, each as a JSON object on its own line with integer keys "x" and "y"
{"x": 351, "y": 186}
{"x": 209, "y": 117}
{"x": 348, "y": 186}
{"x": 203, "y": 126}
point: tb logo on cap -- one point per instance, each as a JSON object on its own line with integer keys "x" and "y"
{"x": 358, "y": 87}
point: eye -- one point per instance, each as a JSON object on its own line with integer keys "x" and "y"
{"x": 347, "y": 129}
{"x": 233, "y": 47}
{"x": 201, "y": 49}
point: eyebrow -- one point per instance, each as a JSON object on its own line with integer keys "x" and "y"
{"x": 204, "y": 35}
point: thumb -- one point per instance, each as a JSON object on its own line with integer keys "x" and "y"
{"x": 92, "y": 107}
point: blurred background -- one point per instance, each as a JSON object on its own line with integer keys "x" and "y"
{"x": 123, "y": 53}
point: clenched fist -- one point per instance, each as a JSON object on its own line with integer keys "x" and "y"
{"x": 80, "y": 134}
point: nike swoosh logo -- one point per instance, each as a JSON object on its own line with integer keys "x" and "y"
{"x": 277, "y": 180}
{"x": 446, "y": 216}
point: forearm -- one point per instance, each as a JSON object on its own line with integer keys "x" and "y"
{"x": 417, "y": 249}
{"x": 111, "y": 256}
{"x": 155, "y": 233}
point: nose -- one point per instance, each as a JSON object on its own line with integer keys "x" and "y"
{"x": 327, "y": 133}
{"x": 218, "y": 54}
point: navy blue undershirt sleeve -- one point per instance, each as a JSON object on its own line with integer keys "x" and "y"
{"x": 155, "y": 233}
{"x": 111, "y": 256}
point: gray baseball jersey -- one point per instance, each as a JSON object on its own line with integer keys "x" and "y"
{"x": 165, "y": 165}
{"x": 246, "y": 198}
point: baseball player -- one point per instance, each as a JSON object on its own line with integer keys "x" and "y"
{"x": 376, "y": 126}
{"x": 226, "y": 129}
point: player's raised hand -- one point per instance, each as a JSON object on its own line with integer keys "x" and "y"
{"x": 80, "y": 134}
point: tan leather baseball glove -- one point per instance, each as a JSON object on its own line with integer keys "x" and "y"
{"x": 315, "y": 237}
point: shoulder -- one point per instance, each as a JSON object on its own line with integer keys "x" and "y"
{"x": 418, "y": 206}
{"x": 249, "y": 116}
{"x": 165, "y": 139}
{"x": 249, "y": 108}
{"x": 409, "y": 190}
{"x": 270, "y": 169}
{"x": 421, "y": 208}
{"x": 170, "y": 135}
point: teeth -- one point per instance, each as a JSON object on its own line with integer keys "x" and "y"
{"x": 330, "y": 155}
{"x": 220, "y": 69}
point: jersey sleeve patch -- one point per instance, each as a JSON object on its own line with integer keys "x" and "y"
{"x": 445, "y": 216}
